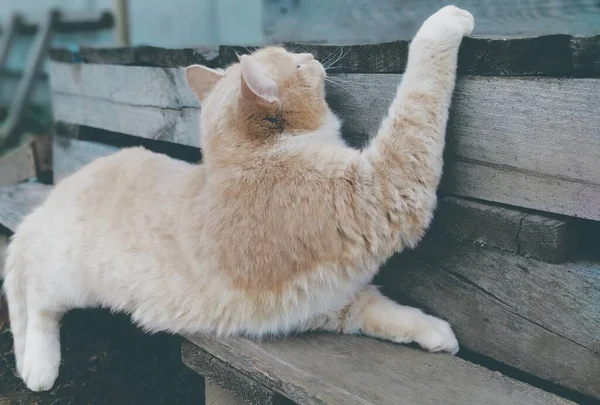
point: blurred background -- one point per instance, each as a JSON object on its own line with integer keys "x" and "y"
{"x": 25, "y": 102}
{"x": 121, "y": 23}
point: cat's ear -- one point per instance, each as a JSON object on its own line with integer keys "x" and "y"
{"x": 256, "y": 83}
{"x": 202, "y": 79}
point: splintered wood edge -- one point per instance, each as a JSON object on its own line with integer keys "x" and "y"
{"x": 530, "y": 234}
{"x": 550, "y": 55}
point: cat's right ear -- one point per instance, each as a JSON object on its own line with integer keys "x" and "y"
{"x": 202, "y": 79}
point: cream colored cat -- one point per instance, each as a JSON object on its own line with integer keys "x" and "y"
{"x": 281, "y": 229}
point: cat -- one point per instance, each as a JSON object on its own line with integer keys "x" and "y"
{"x": 281, "y": 228}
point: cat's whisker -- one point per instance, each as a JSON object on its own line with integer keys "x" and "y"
{"x": 328, "y": 61}
{"x": 343, "y": 87}
{"x": 343, "y": 53}
{"x": 332, "y": 57}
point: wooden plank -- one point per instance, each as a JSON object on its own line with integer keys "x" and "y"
{"x": 350, "y": 370}
{"x": 217, "y": 372}
{"x": 525, "y": 233}
{"x": 42, "y": 153}
{"x": 509, "y": 185}
{"x": 552, "y": 55}
{"x": 538, "y": 317}
{"x": 520, "y": 141}
{"x": 165, "y": 124}
{"x": 18, "y": 164}
{"x": 133, "y": 85}
{"x": 71, "y": 155}
{"x": 215, "y": 395}
{"x": 18, "y": 201}
{"x": 532, "y": 143}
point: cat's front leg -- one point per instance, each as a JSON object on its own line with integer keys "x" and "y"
{"x": 371, "y": 313}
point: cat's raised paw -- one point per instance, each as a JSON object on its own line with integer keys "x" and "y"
{"x": 436, "y": 335}
{"x": 451, "y": 19}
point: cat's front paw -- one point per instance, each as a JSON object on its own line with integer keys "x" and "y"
{"x": 449, "y": 20}
{"x": 436, "y": 335}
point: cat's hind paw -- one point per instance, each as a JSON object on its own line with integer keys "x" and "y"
{"x": 40, "y": 376}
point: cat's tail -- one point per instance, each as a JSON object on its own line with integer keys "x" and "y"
{"x": 15, "y": 288}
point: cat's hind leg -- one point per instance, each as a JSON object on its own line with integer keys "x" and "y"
{"x": 16, "y": 293}
{"x": 371, "y": 313}
{"x": 42, "y": 347}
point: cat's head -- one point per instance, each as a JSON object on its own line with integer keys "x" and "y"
{"x": 269, "y": 92}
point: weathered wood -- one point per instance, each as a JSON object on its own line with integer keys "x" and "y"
{"x": 17, "y": 164}
{"x": 31, "y": 158}
{"x": 349, "y": 370}
{"x": 215, "y": 395}
{"x": 509, "y": 185}
{"x": 552, "y": 55}
{"x": 18, "y": 201}
{"x": 166, "y": 124}
{"x": 221, "y": 374}
{"x": 71, "y": 155}
{"x": 42, "y": 153}
{"x": 525, "y": 233}
{"x": 526, "y": 142}
{"x": 133, "y": 85}
{"x": 538, "y": 317}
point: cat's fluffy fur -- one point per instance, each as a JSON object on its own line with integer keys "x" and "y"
{"x": 280, "y": 229}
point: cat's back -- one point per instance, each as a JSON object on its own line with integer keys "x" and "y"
{"x": 113, "y": 191}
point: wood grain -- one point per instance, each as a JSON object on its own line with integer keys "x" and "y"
{"x": 538, "y": 317}
{"x": 220, "y": 373}
{"x": 525, "y": 233}
{"x": 532, "y": 143}
{"x": 163, "y": 124}
{"x": 520, "y": 141}
{"x": 18, "y": 201}
{"x": 17, "y": 164}
{"x": 349, "y": 370}
{"x": 551, "y": 55}
{"x": 215, "y": 395}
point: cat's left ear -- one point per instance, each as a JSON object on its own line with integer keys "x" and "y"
{"x": 256, "y": 83}
{"x": 202, "y": 79}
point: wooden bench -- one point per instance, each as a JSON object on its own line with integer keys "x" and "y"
{"x": 520, "y": 289}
